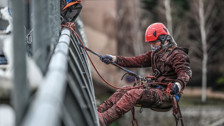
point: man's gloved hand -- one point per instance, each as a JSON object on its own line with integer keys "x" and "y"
{"x": 176, "y": 88}
{"x": 108, "y": 58}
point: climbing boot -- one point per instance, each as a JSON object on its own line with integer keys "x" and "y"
{"x": 109, "y": 116}
{"x": 101, "y": 120}
{"x": 111, "y": 101}
{"x": 125, "y": 103}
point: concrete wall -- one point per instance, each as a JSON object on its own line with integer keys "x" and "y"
{"x": 98, "y": 14}
{"x": 192, "y": 116}
{"x": 99, "y": 18}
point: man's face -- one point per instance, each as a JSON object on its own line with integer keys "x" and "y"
{"x": 157, "y": 43}
{"x": 155, "y": 46}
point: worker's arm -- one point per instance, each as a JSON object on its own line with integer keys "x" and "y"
{"x": 181, "y": 64}
{"x": 137, "y": 61}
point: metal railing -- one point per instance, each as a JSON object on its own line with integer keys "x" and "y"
{"x": 45, "y": 20}
{"x": 81, "y": 85}
{"x": 20, "y": 91}
{"x": 66, "y": 94}
{"x": 46, "y": 108}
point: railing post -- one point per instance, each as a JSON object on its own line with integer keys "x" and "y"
{"x": 57, "y": 18}
{"x": 41, "y": 29}
{"x": 20, "y": 90}
{"x": 54, "y": 19}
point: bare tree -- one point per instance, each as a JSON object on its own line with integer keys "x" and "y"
{"x": 129, "y": 34}
{"x": 128, "y": 31}
{"x": 206, "y": 19}
{"x": 168, "y": 16}
{"x": 204, "y": 49}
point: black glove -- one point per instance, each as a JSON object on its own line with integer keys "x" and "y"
{"x": 176, "y": 88}
{"x": 108, "y": 58}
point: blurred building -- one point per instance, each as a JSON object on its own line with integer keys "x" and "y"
{"x": 113, "y": 28}
{"x": 99, "y": 19}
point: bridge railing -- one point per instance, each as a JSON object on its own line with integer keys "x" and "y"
{"x": 66, "y": 95}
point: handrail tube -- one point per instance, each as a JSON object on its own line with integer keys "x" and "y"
{"x": 46, "y": 108}
{"x": 20, "y": 93}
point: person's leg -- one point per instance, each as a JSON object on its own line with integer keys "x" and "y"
{"x": 123, "y": 105}
{"x": 155, "y": 98}
{"x": 112, "y": 100}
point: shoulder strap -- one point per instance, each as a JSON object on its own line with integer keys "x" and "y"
{"x": 184, "y": 50}
{"x": 165, "y": 56}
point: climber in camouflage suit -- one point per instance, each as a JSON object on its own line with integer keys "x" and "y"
{"x": 170, "y": 64}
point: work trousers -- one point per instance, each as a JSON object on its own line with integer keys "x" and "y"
{"x": 124, "y": 100}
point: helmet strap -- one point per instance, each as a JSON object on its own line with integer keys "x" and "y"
{"x": 162, "y": 38}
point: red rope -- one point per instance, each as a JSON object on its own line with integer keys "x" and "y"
{"x": 169, "y": 88}
{"x": 71, "y": 27}
{"x": 133, "y": 117}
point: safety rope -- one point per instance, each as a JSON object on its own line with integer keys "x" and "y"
{"x": 176, "y": 108}
{"x": 71, "y": 26}
{"x": 134, "y": 120}
{"x": 177, "y": 112}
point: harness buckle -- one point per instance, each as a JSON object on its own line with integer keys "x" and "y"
{"x": 156, "y": 73}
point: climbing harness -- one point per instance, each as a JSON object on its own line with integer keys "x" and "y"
{"x": 176, "y": 109}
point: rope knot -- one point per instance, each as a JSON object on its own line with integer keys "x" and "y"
{"x": 169, "y": 88}
{"x": 70, "y": 25}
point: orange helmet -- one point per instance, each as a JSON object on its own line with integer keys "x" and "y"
{"x": 154, "y": 31}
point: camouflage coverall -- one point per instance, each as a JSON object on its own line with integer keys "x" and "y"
{"x": 170, "y": 66}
